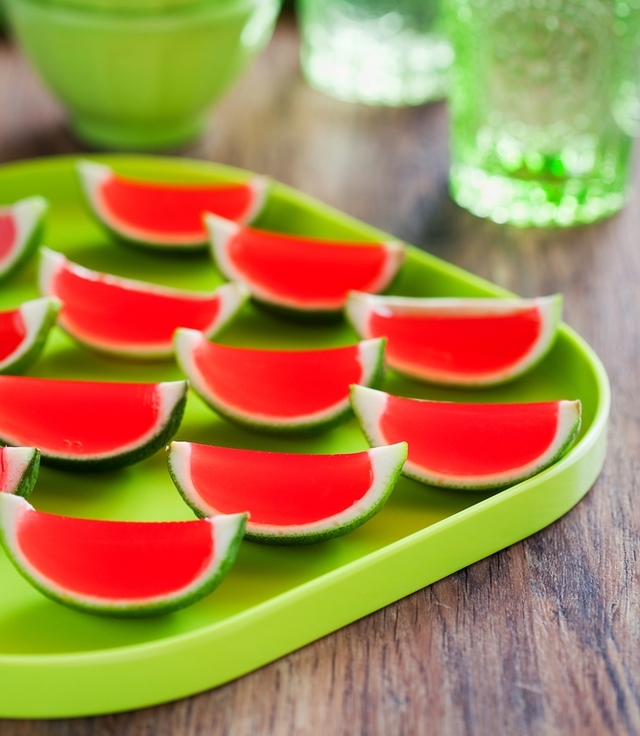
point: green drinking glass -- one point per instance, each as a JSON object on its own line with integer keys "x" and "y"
{"x": 377, "y": 52}
{"x": 544, "y": 107}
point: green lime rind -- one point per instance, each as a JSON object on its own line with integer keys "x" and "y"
{"x": 572, "y": 434}
{"x": 379, "y": 372}
{"x": 21, "y": 466}
{"x": 27, "y": 251}
{"x": 30, "y": 244}
{"x": 158, "y": 606}
{"x": 557, "y": 303}
{"x": 120, "y": 460}
{"x": 33, "y": 352}
{"x": 334, "y": 527}
{"x": 183, "y": 495}
{"x": 29, "y": 476}
{"x": 364, "y": 424}
{"x": 306, "y": 428}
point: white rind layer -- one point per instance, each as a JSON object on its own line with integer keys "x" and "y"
{"x": 231, "y": 297}
{"x": 179, "y": 460}
{"x": 371, "y": 357}
{"x": 51, "y": 263}
{"x": 224, "y": 529}
{"x": 169, "y": 394}
{"x": 222, "y": 231}
{"x": 16, "y": 461}
{"x": 361, "y": 306}
{"x": 369, "y": 406}
{"x": 186, "y": 342}
{"x": 34, "y": 315}
{"x": 358, "y": 309}
{"x": 27, "y": 215}
{"x": 386, "y": 463}
{"x": 93, "y": 175}
{"x": 396, "y": 252}
{"x": 259, "y": 186}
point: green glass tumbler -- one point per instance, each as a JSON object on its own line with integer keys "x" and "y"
{"x": 543, "y": 107}
{"x": 377, "y": 52}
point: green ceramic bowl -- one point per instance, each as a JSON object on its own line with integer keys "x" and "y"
{"x": 126, "y": 6}
{"x": 141, "y": 81}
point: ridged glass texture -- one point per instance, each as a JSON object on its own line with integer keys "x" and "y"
{"x": 544, "y": 105}
{"x": 378, "y": 52}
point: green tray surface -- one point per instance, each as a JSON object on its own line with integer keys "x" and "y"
{"x": 56, "y": 662}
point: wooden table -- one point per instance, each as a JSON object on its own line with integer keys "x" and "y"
{"x": 542, "y": 638}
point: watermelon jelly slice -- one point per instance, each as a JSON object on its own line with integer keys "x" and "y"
{"x": 119, "y": 568}
{"x": 163, "y": 214}
{"x": 301, "y": 273}
{"x": 127, "y": 317}
{"x": 291, "y": 499}
{"x": 464, "y": 342}
{"x": 21, "y": 228}
{"x": 470, "y": 446}
{"x": 23, "y": 333}
{"x": 278, "y": 390}
{"x": 87, "y": 425}
{"x": 19, "y": 467}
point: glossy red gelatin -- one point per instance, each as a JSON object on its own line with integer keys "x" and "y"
{"x": 278, "y": 383}
{"x": 305, "y": 268}
{"x": 460, "y": 345}
{"x": 459, "y": 341}
{"x": 115, "y": 560}
{"x": 8, "y": 235}
{"x": 12, "y": 331}
{"x": 279, "y": 489}
{"x": 98, "y": 307}
{"x": 5, "y": 470}
{"x": 78, "y": 417}
{"x": 470, "y": 439}
{"x": 172, "y": 209}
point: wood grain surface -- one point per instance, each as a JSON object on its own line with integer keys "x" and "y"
{"x": 542, "y": 638}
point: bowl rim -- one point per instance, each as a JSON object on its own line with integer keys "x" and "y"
{"x": 80, "y": 12}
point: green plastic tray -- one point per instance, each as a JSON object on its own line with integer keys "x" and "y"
{"x": 56, "y": 662}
